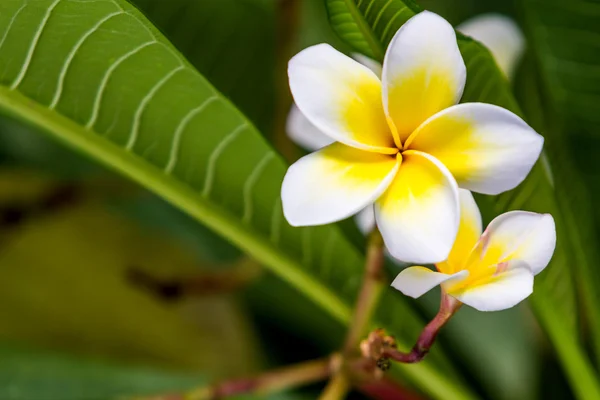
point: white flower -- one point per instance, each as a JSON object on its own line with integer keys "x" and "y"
{"x": 401, "y": 142}
{"x": 493, "y": 271}
{"x": 500, "y": 35}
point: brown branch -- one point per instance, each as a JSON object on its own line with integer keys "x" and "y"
{"x": 370, "y": 292}
{"x": 380, "y": 347}
{"x": 288, "y": 13}
{"x": 268, "y": 382}
{"x": 366, "y": 303}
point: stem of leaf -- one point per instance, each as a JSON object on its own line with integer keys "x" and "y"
{"x": 367, "y": 300}
{"x": 337, "y": 388}
{"x": 370, "y": 293}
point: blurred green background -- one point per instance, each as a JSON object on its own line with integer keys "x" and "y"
{"x": 101, "y": 289}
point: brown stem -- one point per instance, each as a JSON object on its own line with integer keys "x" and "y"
{"x": 268, "y": 382}
{"x": 448, "y": 307}
{"x": 358, "y": 370}
{"x": 287, "y": 30}
{"x": 370, "y": 292}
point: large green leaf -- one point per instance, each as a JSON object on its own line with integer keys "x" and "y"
{"x": 566, "y": 70}
{"x": 368, "y": 26}
{"x": 98, "y": 76}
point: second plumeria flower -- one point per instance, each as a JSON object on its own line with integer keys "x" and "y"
{"x": 490, "y": 271}
{"x": 402, "y": 143}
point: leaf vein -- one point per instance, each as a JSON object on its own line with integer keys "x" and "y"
{"x": 212, "y": 160}
{"x": 33, "y": 45}
{"x": 65, "y": 67}
{"x": 137, "y": 119}
{"x": 181, "y": 128}
{"x": 249, "y": 185}
{"x": 106, "y": 78}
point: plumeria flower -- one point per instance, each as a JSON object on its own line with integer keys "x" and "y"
{"x": 498, "y": 33}
{"x": 402, "y": 143}
{"x": 490, "y": 271}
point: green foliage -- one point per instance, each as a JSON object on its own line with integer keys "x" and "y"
{"x": 564, "y": 70}
{"x": 100, "y": 77}
{"x": 32, "y": 374}
{"x": 214, "y": 37}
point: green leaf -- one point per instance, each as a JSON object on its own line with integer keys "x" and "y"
{"x": 32, "y": 374}
{"x": 368, "y": 26}
{"x": 98, "y": 76}
{"x": 82, "y": 297}
{"x": 234, "y": 52}
{"x": 565, "y": 69}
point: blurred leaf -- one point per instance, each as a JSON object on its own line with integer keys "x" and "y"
{"x": 96, "y": 75}
{"x": 369, "y": 26}
{"x": 511, "y": 370}
{"x": 32, "y": 374}
{"x": 65, "y": 284}
{"x": 567, "y": 56}
{"x": 234, "y": 52}
{"x": 314, "y": 26}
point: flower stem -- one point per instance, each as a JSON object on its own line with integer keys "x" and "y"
{"x": 448, "y": 307}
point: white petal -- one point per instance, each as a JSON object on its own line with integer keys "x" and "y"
{"x": 341, "y": 97}
{"x": 365, "y": 220}
{"x": 500, "y": 292}
{"x": 521, "y": 235}
{"x": 419, "y": 213}
{"x": 501, "y": 35}
{"x": 416, "y": 281}
{"x": 423, "y": 72}
{"x": 334, "y": 183}
{"x": 487, "y": 148}
{"x": 303, "y": 132}
{"x": 369, "y": 63}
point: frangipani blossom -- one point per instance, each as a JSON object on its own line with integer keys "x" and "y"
{"x": 490, "y": 271}
{"x": 498, "y": 33}
{"x": 401, "y": 142}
